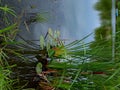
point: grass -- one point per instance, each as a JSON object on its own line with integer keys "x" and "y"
{"x": 74, "y": 66}
{"x": 6, "y": 83}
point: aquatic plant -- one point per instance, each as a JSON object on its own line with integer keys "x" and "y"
{"x": 6, "y": 14}
{"x": 36, "y": 17}
{"x": 6, "y": 10}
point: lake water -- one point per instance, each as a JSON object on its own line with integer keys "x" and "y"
{"x": 74, "y": 18}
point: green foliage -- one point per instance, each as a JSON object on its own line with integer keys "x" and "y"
{"x": 51, "y": 53}
{"x": 101, "y": 48}
{"x": 64, "y": 86}
{"x": 104, "y": 6}
{"x": 39, "y": 68}
{"x": 12, "y": 27}
{"x": 7, "y": 34}
{"x": 5, "y": 81}
{"x": 8, "y": 10}
{"x": 118, "y": 4}
{"x": 40, "y": 18}
{"x": 117, "y": 38}
{"x": 101, "y": 33}
{"x": 6, "y": 14}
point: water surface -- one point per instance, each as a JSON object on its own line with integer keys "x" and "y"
{"x": 74, "y": 18}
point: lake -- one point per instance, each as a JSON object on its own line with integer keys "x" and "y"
{"x": 75, "y": 19}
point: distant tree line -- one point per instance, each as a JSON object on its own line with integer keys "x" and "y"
{"x": 117, "y": 36}
{"x": 102, "y": 37}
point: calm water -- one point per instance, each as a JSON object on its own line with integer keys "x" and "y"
{"x": 74, "y": 18}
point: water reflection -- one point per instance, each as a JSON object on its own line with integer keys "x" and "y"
{"x": 75, "y": 19}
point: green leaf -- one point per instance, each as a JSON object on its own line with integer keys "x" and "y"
{"x": 6, "y": 9}
{"x": 51, "y": 52}
{"x": 39, "y": 68}
{"x": 11, "y": 43}
{"x": 64, "y": 86}
{"x": 8, "y": 28}
{"x": 42, "y": 42}
{"x": 116, "y": 72}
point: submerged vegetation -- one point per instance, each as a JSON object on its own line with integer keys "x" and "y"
{"x": 56, "y": 65}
